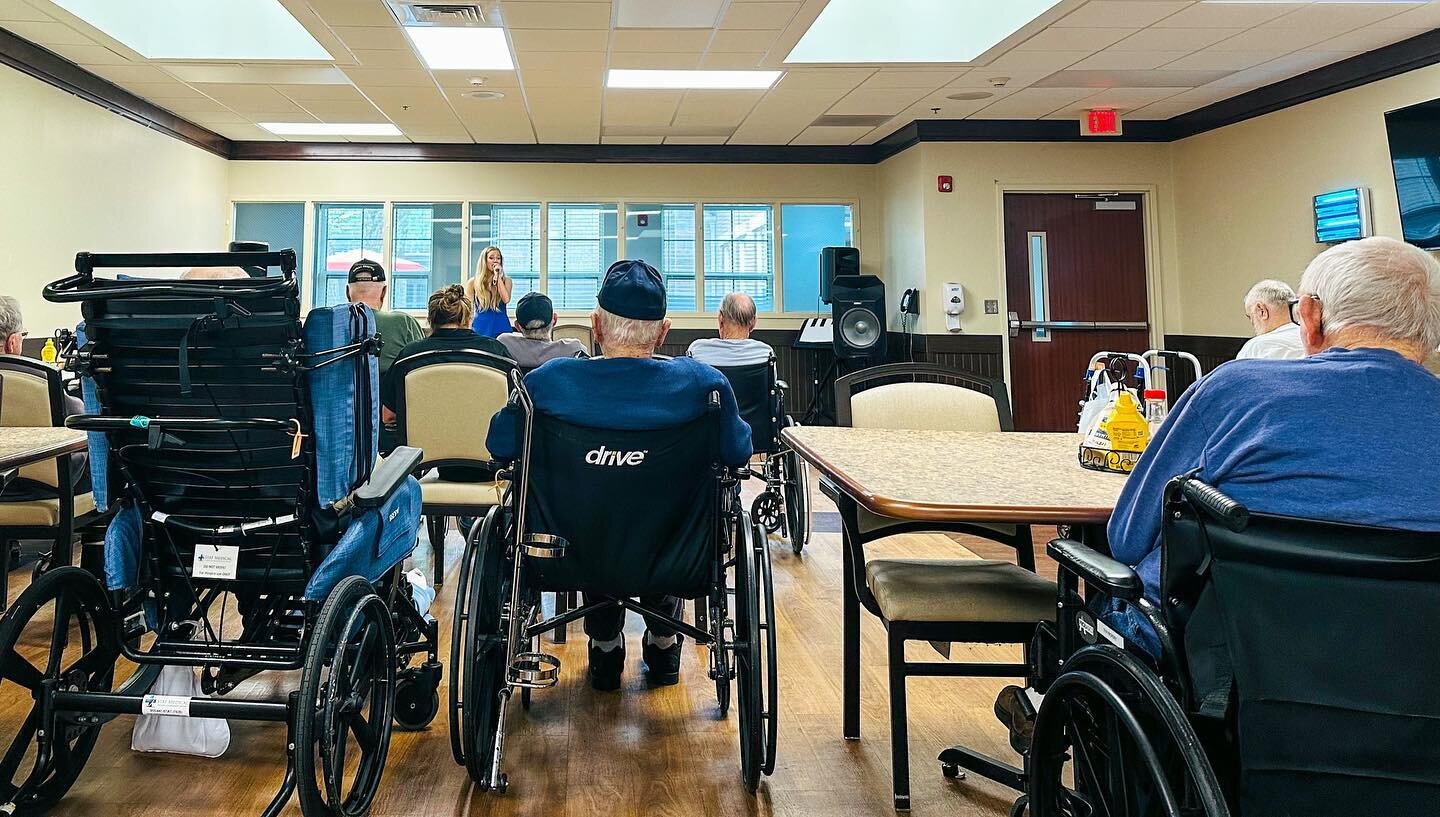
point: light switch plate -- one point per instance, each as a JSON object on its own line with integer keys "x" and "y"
{"x": 992, "y": 307}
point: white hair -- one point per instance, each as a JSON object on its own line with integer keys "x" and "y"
{"x": 627, "y": 333}
{"x": 1382, "y": 284}
{"x": 738, "y": 308}
{"x": 538, "y": 332}
{"x": 11, "y": 321}
{"x": 1275, "y": 294}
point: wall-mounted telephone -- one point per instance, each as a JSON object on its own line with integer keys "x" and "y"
{"x": 954, "y": 303}
{"x": 910, "y": 302}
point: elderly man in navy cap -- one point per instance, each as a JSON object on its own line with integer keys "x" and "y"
{"x": 629, "y": 389}
{"x": 533, "y": 341}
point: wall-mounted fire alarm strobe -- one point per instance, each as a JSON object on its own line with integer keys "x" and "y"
{"x": 945, "y": 184}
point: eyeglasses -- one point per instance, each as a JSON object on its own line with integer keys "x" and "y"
{"x": 1295, "y": 302}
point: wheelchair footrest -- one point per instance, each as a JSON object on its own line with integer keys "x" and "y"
{"x": 544, "y": 546}
{"x": 533, "y": 670}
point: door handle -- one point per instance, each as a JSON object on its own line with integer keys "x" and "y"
{"x": 1123, "y": 326}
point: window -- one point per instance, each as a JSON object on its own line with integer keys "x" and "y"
{"x": 739, "y": 254}
{"x": 664, "y": 236}
{"x": 344, "y": 233}
{"x": 806, "y": 229}
{"x": 282, "y": 226}
{"x": 515, "y": 229}
{"x": 425, "y": 252}
{"x": 582, "y": 244}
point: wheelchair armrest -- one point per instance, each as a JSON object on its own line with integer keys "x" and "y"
{"x": 782, "y": 385}
{"x": 387, "y": 477}
{"x": 1097, "y": 569}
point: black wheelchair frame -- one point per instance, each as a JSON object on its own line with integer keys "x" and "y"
{"x": 784, "y": 505}
{"x": 498, "y": 618}
{"x": 354, "y": 650}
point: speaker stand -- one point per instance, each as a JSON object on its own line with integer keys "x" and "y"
{"x": 821, "y": 410}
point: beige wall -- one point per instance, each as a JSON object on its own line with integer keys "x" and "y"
{"x": 433, "y": 181}
{"x": 1244, "y": 192}
{"x": 75, "y": 177}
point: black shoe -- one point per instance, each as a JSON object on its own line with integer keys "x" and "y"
{"x": 1014, "y": 709}
{"x": 605, "y": 668}
{"x": 662, "y": 666}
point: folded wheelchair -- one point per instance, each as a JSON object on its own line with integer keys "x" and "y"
{"x": 784, "y": 505}
{"x": 615, "y": 514}
{"x": 1295, "y": 673}
{"x": 253, "y": 532}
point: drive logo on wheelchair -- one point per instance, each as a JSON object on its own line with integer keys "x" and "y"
{"x": 1086, "y": 625}
{"x": 602, "y": 456}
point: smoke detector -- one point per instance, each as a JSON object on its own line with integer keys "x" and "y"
{"x": 486, "y": 94}
{"x": 970, "y": 96}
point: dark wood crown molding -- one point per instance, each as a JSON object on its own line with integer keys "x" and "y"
{"x": 56, "y": 71}
{"x": 1417, "y": 52}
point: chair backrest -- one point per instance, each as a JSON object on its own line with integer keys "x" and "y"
{"x": 922, "y": 396}
{"x": 577, "y": 331}
{"x": 758, "y": 401}
{"x": 445, "y": 402}
{"x": 31, "y": 395}
{"x": 638, "y": 508}
{"x": 1328, "y": 632}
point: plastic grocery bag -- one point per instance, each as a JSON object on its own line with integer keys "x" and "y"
{"x": 1102, "y": 393}
{"x": 421, "y": 592}
{"x": 164, "y": 724}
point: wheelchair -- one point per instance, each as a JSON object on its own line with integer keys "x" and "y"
{"x": 1285, "y": 681}
{"x": 253, "y": 532}
{"x": 568, "y": 523}
{"x": 784, "y": 505}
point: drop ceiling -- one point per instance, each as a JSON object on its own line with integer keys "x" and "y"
{"x": 1149, "y": 59}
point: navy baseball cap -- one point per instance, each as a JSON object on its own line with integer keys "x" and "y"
{"x": 366, "y": 271}
{"x": 633, "y": 289}
{"x": 534, "y": 310}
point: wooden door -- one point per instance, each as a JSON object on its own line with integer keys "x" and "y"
{"x": 1075, "y": 284}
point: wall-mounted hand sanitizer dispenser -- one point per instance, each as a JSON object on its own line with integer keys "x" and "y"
{"x": 952, "y": 297}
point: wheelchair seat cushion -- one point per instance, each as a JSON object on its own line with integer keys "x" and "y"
{"x": 437, "y": 492}
{"x": 962, "y": 591}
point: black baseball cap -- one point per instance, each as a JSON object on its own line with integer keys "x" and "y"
{"x": 633, "y": 289}
{"x": 534, "y": 310}
{"x": 366, "y": 271}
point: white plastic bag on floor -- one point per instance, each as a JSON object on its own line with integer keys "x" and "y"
{"x": 421, "y": 592}
{"x": 156, "y": 731}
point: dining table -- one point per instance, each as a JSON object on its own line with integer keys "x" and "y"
{"x": 27, "y": 445}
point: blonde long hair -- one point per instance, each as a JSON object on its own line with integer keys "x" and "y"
{"x": 480, "y": 288}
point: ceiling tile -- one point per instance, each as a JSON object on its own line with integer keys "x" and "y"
{"x": 1163, "y": 110}
{"x": 829, "y": 136}
{"x": 1302, "y": 61}
{"x": 378, "y": 38}
{"x": 846, "y": 78}
{"x": 438, "y": 133}
{"x": 12, "y": 10}
{"x": 464, "y": 79}
{"x": 924, "y": 80}
{"x": 1015, "y": 80}
{"x": 42, "y": 33}
{"x": 167, "y": 91}
{"x": 631, "y": 140}
{"x": 742, "y": 40}
{"x": 726, "y": 61}
{"x": 246, "y": 133}
{"x": 1046, "y": 61}
{"x": 221, "y": 118}
{"x": 780, "y": 115}
{"x": 641, "y": 107}
{"x": 1126, "y": 99}
{"x": 422, "y": 100}
{"x": 388, "y": 59}
{"x": 387, "y": 77}
{"x": 127, "y": 74}
{"x": 1112, "y": 60}
{"x": 1368, "y": 38}
{"x": 667, "y": 41}
{"x": 716, "y": 108}
{"x": 545, "y": 39}
{"x": 696, "y": 140}
{"x": 555, "y": 15}
{"x": 258, "y": 74}
{"x": 538, "y": 78}
{"x": 1128, "y": 79}
{"x": 561, "y": 61}
{"x": 1340, "y": 17}
{"x": 186, "y": 107}
{"x": 89, "y": 54}
{"x": 562, "y": 118}
{"x": 333, "y": 93}
{"x": 651, "y": 60}
{"x": 1272, "y": 38}
{"x": 1212, "y": 60}
{"x": 667, "y": 13}
{"x": 1183, "y": 40}
{"x": 344, "y": 111}
{"x": 1227, "y": 15}
{"x": 876, "y": 101}
{"x": 1033, "y": 103}
{"x": 1426, "y": 16}
{"x": 245, "y": 96}
{"x": 1075, "y": 39}
{"x": 1120, "y": 14}
{"x": 759, "y": 15}
{"x": 353, "y": 12}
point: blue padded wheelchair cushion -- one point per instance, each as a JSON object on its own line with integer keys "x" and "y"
{"x": 342, "y": 458}
{"x": 374, "y": 542}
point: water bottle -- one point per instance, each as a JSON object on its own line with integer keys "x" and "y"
{"x": 1155, "y": 409}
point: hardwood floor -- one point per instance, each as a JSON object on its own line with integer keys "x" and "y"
{"x": 657, "y": 752}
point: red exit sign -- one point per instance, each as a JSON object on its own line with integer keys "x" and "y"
{"x": 1100, "y": 122}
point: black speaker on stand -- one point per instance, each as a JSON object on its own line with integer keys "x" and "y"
{"x": 857, "y": 305}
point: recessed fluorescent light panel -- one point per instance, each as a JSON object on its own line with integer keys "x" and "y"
{"x": 913, "y": 30}
{"x": 330, "y": 129}
{"x": 462, "y": 49}
{"x": 201, "y": 29}
{"x": 691, "y": 80}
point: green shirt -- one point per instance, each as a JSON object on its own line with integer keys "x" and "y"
{"x": 397, "y": 330}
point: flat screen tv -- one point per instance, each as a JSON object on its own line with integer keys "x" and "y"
{"x": 1415, "y": 154}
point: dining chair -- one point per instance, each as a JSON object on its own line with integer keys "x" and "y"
{"x": 576, "y": 331}
{"x": 978, "y": 601}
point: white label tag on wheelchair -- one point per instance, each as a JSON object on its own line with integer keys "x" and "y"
{"x": 216, "y": 561}
{"x": 175, "y": 705}
{"x": 1108, "y": 633}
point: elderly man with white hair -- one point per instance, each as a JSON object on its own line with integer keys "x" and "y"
{"x": 628, "y": 389}
{"x": 734, "y": 347}
{"x": 1350, "y": 433}
{"x": 1267, "y": 305}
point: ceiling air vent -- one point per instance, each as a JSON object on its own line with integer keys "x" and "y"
{"x": 851, "y": 120}
{"x": 451, "y": 15}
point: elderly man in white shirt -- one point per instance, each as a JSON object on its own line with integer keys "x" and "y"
{"x": 734, "y": 347}
{"x": 1267, "y": 305}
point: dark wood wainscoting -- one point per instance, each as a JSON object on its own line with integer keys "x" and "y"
{"x": 1212, "y": 350}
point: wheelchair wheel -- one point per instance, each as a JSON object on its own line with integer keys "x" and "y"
{"x": 484, "y": 651}
{"x": 748, "y": 665}
{"x": 65, "y": 609}
{"x": 459, "y": 630}
{"x": 768, "y": 511}
{"x": 1109, "y": 724}
{"x": 771, "y": 678}
{"x": 797, "y": 501}
{"x": 347, "y": 699}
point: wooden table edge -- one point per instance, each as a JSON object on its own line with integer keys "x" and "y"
{"x": 34, "y": 455}
{"x": 940, "y": 512}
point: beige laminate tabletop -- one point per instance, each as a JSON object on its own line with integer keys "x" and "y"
{"x": 23, "y": 445}
{"x": 944, "y": 476}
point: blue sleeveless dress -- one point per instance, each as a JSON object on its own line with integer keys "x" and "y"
{"x": 491, "y": 323}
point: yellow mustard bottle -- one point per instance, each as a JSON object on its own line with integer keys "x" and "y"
{"x": 49, "y": 353}
{"x": 1124, "y": 425}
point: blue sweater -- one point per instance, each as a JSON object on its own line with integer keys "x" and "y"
{"x": 1347, "y": 435}
{"x": 626, "y": 394}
